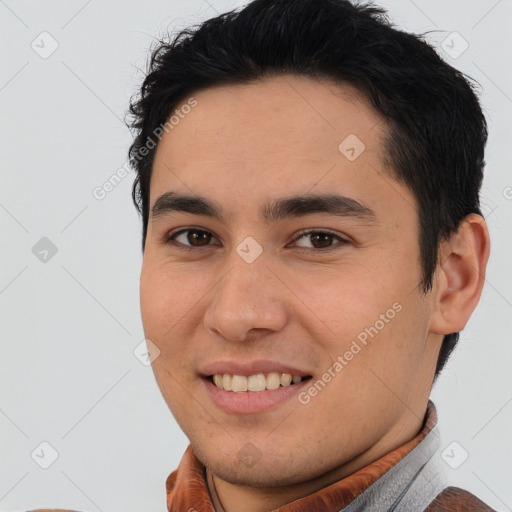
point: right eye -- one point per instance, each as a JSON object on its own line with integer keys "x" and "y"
{"x": 189, "y": 238}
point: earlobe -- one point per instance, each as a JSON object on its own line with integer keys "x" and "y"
{"x": 460, "y": 275}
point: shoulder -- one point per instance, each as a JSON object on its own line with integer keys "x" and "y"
{"x": 453, "y": 499}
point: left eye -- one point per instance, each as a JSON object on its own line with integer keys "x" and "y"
{"x": 322, "y": 238}
{"x": 192, "y": 237}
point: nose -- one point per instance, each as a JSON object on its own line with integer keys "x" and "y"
{"x": 248, "y": 297}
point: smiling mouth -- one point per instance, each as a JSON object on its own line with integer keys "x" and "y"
{"x": 255, "y": 383}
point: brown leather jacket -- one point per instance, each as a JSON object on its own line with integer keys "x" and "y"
{"x": 453, "y": 499}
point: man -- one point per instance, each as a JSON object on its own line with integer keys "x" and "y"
{"x": 313, "y": 245}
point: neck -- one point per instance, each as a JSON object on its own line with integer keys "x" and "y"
{"x": 234, "y": 498}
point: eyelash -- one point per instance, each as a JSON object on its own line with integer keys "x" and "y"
{"x": 169, "y": 238}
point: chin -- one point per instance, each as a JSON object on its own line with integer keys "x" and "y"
{"x": 248, "y": 466}
{"x": 260, "y": 475}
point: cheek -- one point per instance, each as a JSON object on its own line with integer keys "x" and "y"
{"x": 345, "y": 301}
{"x": 170, "y": 303}
{"x": 392, "y": 348}
{"x": 165, "y": 297}
{"x": 376, "y": 315}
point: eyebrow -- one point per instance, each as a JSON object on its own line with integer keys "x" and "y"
{"x": 275, "y": 210}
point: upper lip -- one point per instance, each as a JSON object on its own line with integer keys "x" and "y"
{"x": 249, "y": 368}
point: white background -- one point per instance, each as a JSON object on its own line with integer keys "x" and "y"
{"x": 69, "y": 326}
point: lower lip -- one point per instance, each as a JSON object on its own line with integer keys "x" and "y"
{"x": 251, "y": 402}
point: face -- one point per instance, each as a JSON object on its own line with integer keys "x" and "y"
{"x": 252, "y": 282}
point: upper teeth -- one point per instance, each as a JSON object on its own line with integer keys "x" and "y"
{"x": 257, "y": 382}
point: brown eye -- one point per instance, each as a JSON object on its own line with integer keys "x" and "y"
{"x": 196, "y": 237}
{"x": 189, "y": 238}
{"x": 320, "y": 239}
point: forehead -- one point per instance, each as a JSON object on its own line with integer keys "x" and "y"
{"x": 259, "y": 119}
{"x": 284, "y": 133}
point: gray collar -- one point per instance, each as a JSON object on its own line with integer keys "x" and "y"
{"x": 411, "y": 484}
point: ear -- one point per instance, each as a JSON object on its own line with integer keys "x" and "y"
{"x": 460, "y": 275}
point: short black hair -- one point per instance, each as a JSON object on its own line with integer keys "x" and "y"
{"x": 437, "y": 131}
